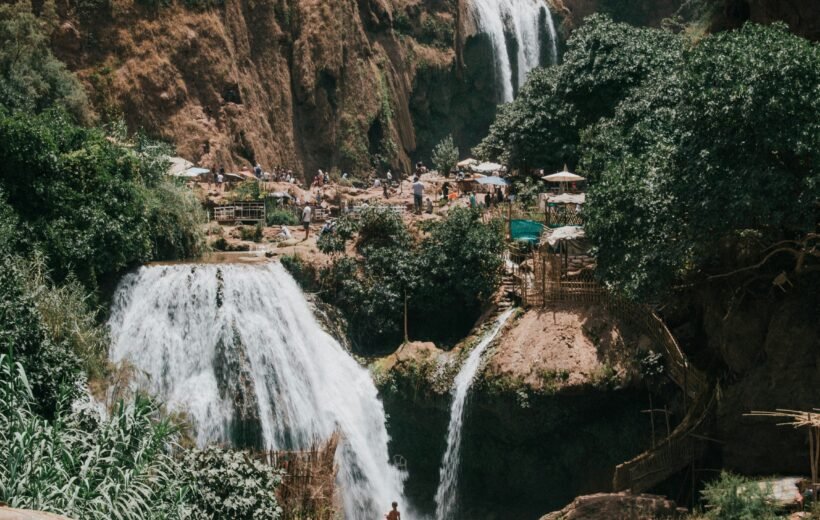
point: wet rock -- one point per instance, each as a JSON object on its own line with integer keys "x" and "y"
{"x": 611, "y": 506}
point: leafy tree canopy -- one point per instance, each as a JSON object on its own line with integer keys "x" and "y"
{"x": 31, "y": 78}
{"x": 726, "y": 147}
{"x": 604, "y": 62}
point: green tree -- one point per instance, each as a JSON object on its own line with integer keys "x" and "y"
{"x": 723, "y": 148}
{"x": 31, "y": 78}
{"x": 95, "y": 206}
{"x": 445, "y": 156}
{"x": 604, "y": 62}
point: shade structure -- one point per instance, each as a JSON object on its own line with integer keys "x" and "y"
{"x": 494, "y": 181}
{"x": 178, "y": 165}
{"x": 486, "y": 167}
{"x": 563, "y": 177}
{"x": 193, "y": 172}
{"x": 467, "y": 163}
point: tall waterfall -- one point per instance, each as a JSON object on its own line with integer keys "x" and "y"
{"x": 231, "y": 345}
{"x": 521, "y": 20}
{"x": 446, "y": 495}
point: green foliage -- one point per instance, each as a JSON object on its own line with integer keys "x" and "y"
{"x": 31, "y": 78}
{"x": 445, "y": 156}
{"x": 693, "y": 160}
{"x": 93, "y": 205}
{"x": 336, "y": 241}
{"x": 733, "y": 497}
{"x": 281, "y": 217}
{"x": 82, "y": 465}
{"x": 251, "y": 233}
{"x": 246, "y": 190}
{"x": 232, "y": 485}
{"x": 445, "y": 278}
{"x": 604, "y": 62}
{"x": 53, "y": 368}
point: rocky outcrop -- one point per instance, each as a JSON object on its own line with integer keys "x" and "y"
{"x": 7, "y": 513}
{"x": 764, "y": 349}
{"x": 802, "y": 16}
{"x": 305, "y": 84}
{"x": 605, "y": 506}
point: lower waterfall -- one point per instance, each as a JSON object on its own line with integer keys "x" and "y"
{"x": 446, "y": 495}
{"x": 238, "y": 350}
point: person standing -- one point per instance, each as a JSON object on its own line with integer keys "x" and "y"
{"x": 394, "y": 513}
{"x": 418, "y": 195}
{"x": 472, "y": 200}
{"x": 307, "y": 214}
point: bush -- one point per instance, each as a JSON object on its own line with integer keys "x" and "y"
{"x": 83, "y": 465}
{"x": 445, "y": 156}
{"x": 733, "y": 497}
{"x": 445, "y": 278}
{"x": 53, "y": 369}
{"x": 281, "y": 217}
{"x": 100, "y": 206}
{"x": 31, "y": 78}
{"x": 231, "y": 484}
{"x": 252, "y": 233}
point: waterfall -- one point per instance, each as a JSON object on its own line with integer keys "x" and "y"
{"x": 521, "y": 20}
{"x": 231, "y": 345}
{"x": 446, "y": 495}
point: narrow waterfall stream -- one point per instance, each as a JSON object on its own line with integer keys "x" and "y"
{"x": 446, "y": 495}
{"x": 238, "y": 349}
{"x": 521, "y": 20}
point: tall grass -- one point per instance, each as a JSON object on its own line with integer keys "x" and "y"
{"x": 83, "y": 464}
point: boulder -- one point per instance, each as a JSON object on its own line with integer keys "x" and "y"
{"x": 7, "y": 513}
{"x": 616, "y": 506}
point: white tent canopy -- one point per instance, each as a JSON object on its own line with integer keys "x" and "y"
{"x": 567, "y": 198}
{"x": 467, "y": 163}
{"x": 486, "y": 167}
{"x": 565, "y": 233}
{"x": 178, "y": 165}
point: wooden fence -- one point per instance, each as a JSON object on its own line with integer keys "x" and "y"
{"x": 558, "y": 215}
{"x": 308, "y": 488}
{"x": 542, "y": 279}
{"x": 240, "y": 212}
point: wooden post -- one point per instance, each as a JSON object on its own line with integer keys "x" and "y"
{"x": 652, "y": 418}
{"x": 406, "y": 335}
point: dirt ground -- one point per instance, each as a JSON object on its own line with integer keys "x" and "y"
{"x": 579, "y": 341}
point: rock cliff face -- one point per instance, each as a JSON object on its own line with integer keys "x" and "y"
{"x": 305, "y": 84}
{"x": 765, "y": 351}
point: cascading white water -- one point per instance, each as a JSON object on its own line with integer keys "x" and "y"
{"x": 446, "y": 495}
{"x": 520, "y": 19}
{"x": 221, "y": 342}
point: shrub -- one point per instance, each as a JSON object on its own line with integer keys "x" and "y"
{"x": 31, "y": 78}
{"x": 83, "y": 465}
{"x": 101, "y": 205}
{"x": 231, "y": 484}
{"x": 252, "y": 233}
{"x": 445, "y": 156}
{"x": 733, "y": 497}
{"x": 281, "y": 217}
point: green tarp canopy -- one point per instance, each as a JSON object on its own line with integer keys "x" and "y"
{"x": 526, "y": 230}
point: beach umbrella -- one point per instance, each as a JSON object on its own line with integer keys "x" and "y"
{"x": 494, "y": 181}
{"x": 563, "y": 176}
